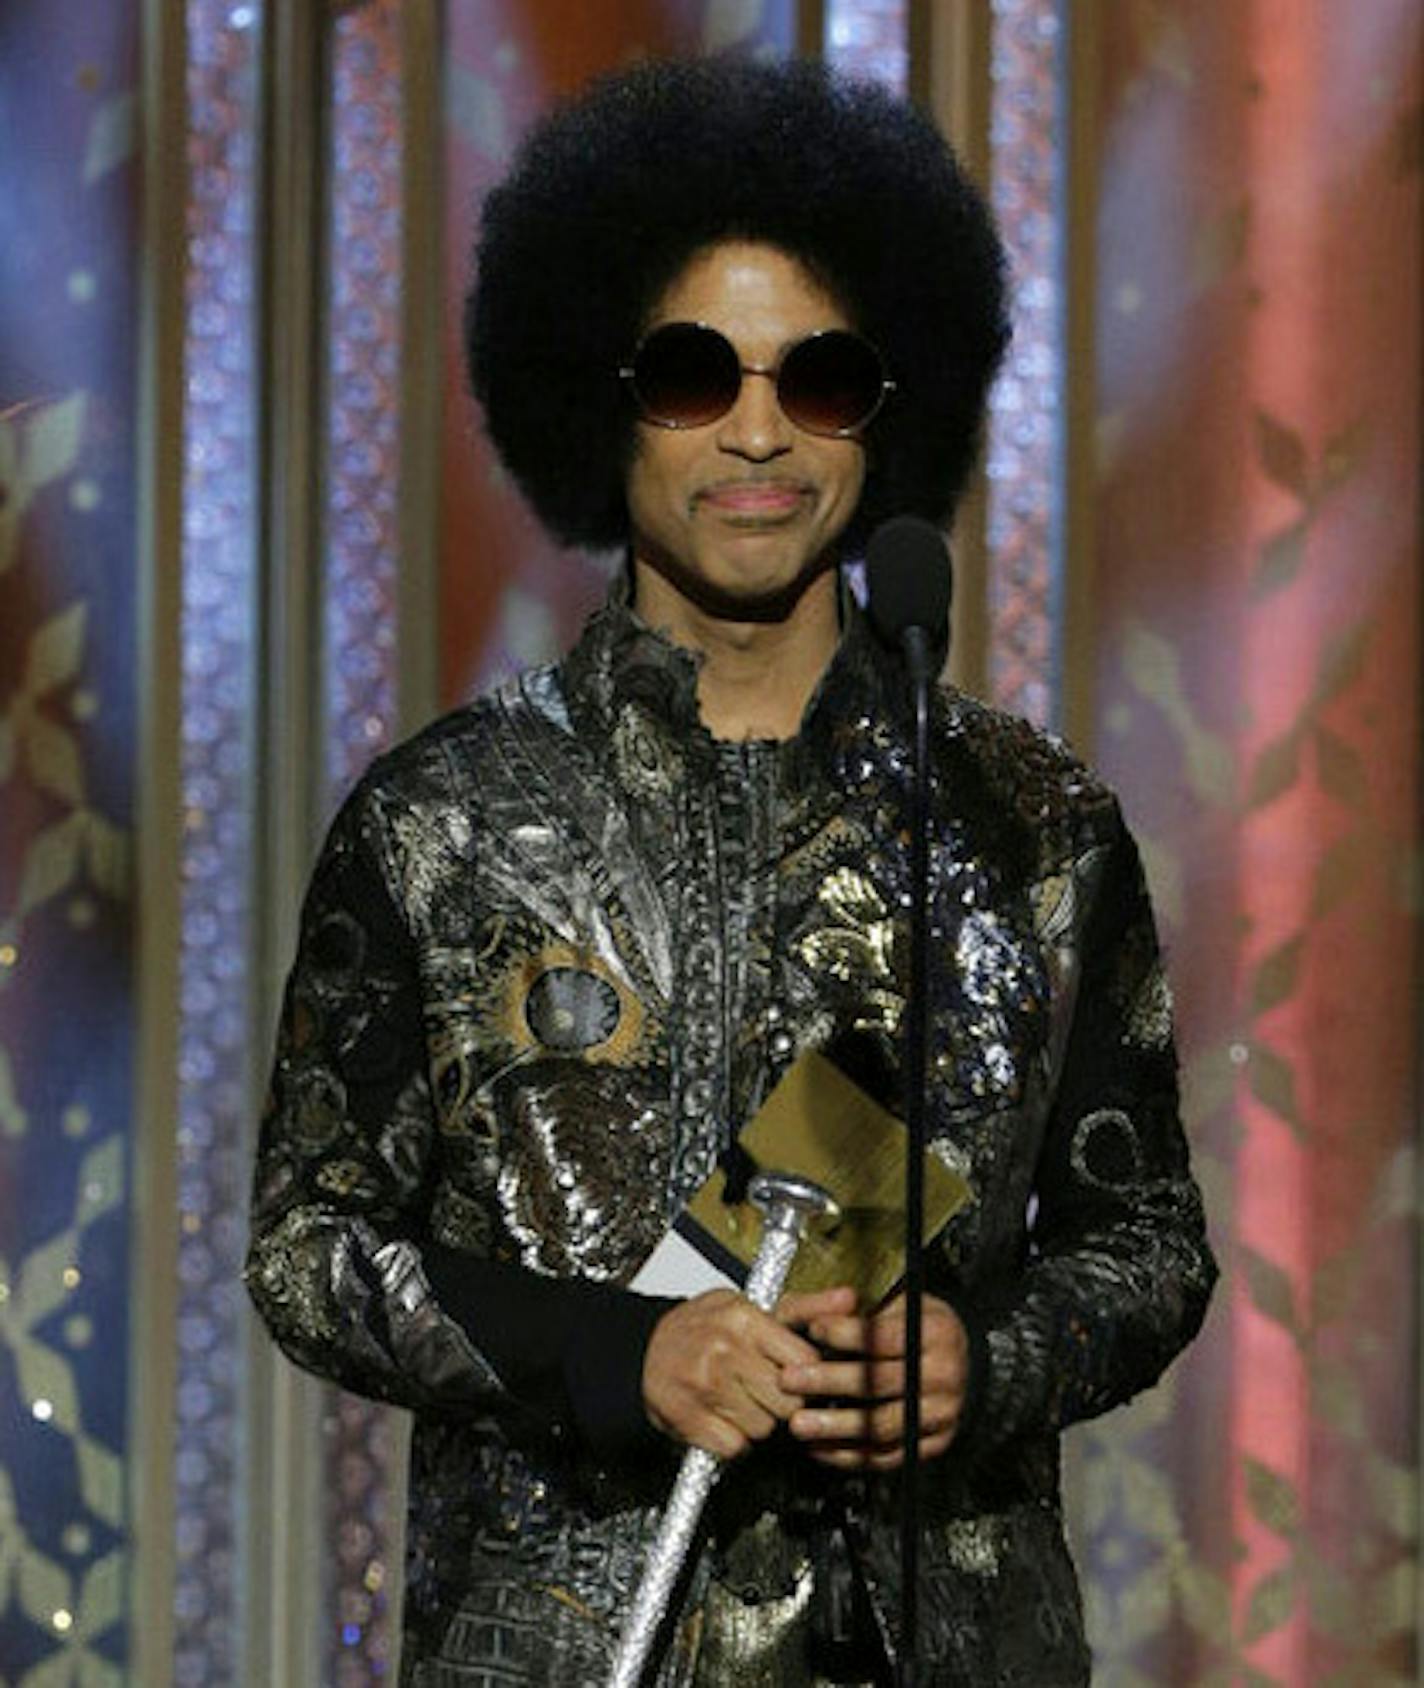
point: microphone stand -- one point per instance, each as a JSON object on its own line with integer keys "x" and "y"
{"x": 919, "y": 658}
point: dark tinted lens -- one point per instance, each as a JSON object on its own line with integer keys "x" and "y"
{"x": 685, "y": 376}
{"x": 831, "y": 383}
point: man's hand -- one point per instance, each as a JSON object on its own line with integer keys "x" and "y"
{"x": 854, "y": 1417}
{"x": 712, "y": 1373}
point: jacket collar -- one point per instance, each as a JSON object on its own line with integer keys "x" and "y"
{"x": 620, "y": 663}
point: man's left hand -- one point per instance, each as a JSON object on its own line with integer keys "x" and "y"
{"x": 854, "y": 1418}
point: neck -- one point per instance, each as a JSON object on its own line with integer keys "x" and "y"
{"x": 756, "y": 677}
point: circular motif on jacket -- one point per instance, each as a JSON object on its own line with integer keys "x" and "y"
{"x": 569, "y": 1008}
{"x": 1105, "y": 1149}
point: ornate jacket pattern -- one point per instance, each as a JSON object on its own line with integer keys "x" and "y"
{"x": 556, "y": 950}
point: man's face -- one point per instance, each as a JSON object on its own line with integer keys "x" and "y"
{"x": 742, "y": 513}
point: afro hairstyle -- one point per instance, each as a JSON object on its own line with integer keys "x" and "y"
{"x": 614, "y": 192}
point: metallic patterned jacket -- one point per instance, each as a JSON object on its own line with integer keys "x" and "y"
{"x": 557, "y": 949}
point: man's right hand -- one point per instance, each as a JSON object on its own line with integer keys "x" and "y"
{"x": 711, "y": 1370}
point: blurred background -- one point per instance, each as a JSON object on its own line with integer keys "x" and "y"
{"x": 250, "y": 532}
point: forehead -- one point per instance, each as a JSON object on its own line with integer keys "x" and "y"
{"x": 756, "y": 294}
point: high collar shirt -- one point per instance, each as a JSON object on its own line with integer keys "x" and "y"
{"x": 557, "y": 950}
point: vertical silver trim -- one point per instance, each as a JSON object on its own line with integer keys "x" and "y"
{"x": 284, "y": 1549}
{"x": 423, "y": 262}
{"x": 949, "y": 76}
{"x": 1076, "y": 643}
{"x": 154, "y": 1195}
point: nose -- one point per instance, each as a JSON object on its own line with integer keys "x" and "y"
{"x": 755, "y": 427}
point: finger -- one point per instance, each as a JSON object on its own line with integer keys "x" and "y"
{"x": 717, "y": 1436}
{"x": 764, "y": 1383}
{"x": 816, "y": 1304}
{"x": 861, "y": 1379}
{"x": 772, "y": 1340}
{"x": 750, "y": 1418}
{"x": 879, "y": 1425}
{"x": 874, "y": 1426}
{"x": 846, "y": 1334}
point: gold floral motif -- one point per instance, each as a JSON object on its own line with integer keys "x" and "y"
{"x": 861, "y": 942}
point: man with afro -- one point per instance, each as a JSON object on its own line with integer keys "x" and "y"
{"x": 727, "y": 316}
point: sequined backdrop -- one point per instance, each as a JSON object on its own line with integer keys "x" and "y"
{"x": 69, "y": 263}
{"x": 1024, "y": 453}
{"x": 361, "y": 1485}
{"x": 218, "y": 638}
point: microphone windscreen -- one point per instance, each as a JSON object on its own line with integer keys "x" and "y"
{"x": 908, "y": 578}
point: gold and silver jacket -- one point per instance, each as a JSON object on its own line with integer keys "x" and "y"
{"x": 556, "y": 951}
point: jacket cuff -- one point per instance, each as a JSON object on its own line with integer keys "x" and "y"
{"x": 566, "y": 1349}
{"x": 603, "y": 1372}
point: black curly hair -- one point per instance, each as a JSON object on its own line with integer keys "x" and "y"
{"x": 612, "y": 194}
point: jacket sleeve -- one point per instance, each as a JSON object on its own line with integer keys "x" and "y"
{"x": 340, "y": 1264}
{"x": 1119, "y": 1270}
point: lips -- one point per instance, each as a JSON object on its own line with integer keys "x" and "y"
{"x": 756, "y": 500}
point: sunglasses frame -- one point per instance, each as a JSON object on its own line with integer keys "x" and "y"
{"x": 628, "y": 372}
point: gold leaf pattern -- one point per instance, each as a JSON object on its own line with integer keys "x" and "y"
{"x": 1342, "y": 663}
{"x": 476, "y": 109}
{"x": 101, "y": 1480}
{"x": 1394, "y": 1489}
{"x": 113, "y": 134}
{"x": 1343, "y": 453}
{"x": 54, "y": 761}
{"x": 1205, "y": 1598}
{"x": 1273, "y": 1083}
{"x": 1280, "y": 560}
{"x": 50, "y": 864}
{"x": 101, "y": 1597}
{"x": 1277, "y": 976}
{"x": 1341, "y": 772}
{"x": 1153, "y": 668}
{"x": 44, "y": 1588}
{"x": 1271, "y": 1498}
{"x": 1276, "y": 770}
{"x": 14, "y": 1121}
{"x": 1221, "y": 245}
{"x": 1270, "y": 1289}
{"x": 56, "y": 650}
{"x": 1281, "y": 453}
{"x": 1272, "y": 1601}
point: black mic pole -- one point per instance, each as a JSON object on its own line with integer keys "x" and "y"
{"x": 908, "y": 574}
{"x": 918, "y": 654}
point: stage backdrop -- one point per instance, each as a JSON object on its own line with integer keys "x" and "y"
{"x": 69, "y": 573}
{"x": 1255, "y": 619}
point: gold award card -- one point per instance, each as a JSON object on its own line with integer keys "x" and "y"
{"x": 817, "y": 1123}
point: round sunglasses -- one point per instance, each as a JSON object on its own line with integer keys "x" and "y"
{"x": 685, "y": 375}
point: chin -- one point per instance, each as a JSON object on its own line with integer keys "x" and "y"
{"x": 763, "y": 595}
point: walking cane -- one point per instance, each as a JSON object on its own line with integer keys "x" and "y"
{"x": 787, "y": 1204}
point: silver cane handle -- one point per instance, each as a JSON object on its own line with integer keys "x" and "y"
{"x": 787, "y": 1204}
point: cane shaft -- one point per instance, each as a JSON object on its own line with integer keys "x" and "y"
{"x": 698, "y": 1472}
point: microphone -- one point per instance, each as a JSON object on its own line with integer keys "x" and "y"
{"x": 910, "y": 579}
{"x": 908, "y": 574}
